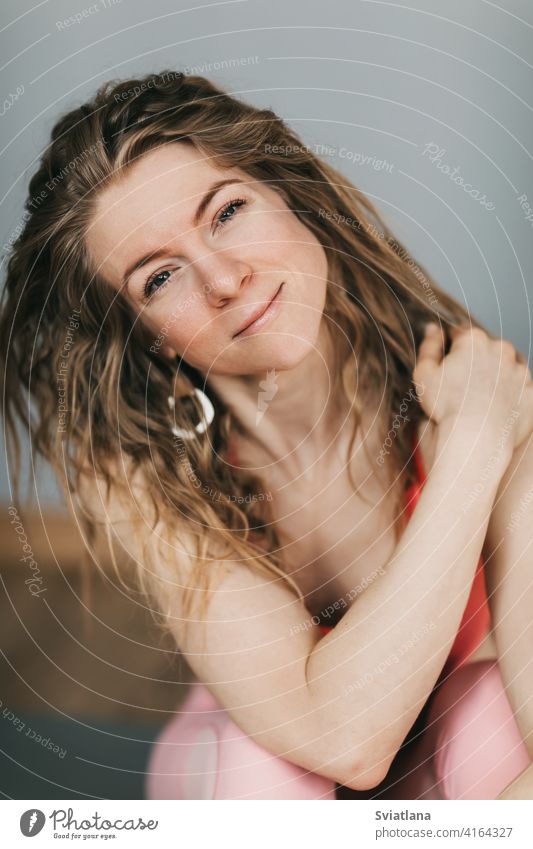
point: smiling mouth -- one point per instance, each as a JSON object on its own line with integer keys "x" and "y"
{"x": 261, "y": 318}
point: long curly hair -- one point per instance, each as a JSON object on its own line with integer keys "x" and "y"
{"x": 84, "y": 378}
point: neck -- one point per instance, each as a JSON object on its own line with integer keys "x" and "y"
{"x": 287, "y": 412}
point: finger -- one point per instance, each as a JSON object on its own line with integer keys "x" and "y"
{"x": 466, "y": 334}
{"x": 430, "y": 354}
{"x": 432, "y": 346}
{"x": 507, "y": 348}
{"x": 525, "y": 421}
{"x": 521, "y": 358}
{"x": 457, "y": 330}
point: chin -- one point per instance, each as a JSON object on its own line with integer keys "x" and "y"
{"x": 280, "y": 351}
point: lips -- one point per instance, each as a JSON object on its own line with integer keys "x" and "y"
{"x": 256, "y": 314}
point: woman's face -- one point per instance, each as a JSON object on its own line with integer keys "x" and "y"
{"x": 212, "y": 259}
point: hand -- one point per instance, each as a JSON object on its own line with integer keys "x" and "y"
{"x": 480, "y": 383}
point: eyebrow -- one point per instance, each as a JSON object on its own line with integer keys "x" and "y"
{"x": 202, "y": 206}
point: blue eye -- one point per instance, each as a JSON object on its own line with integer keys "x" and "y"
{"x": 230, "y": 207}
{"x": 151, "y": 282}
{"x": 154, "y": 283}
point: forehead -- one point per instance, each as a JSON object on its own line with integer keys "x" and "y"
{"x": 156, "y": 196}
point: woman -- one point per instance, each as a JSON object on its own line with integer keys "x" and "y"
{"x": 249, "y": 406}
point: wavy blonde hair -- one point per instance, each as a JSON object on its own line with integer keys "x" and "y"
{"x": 114, "y": 385}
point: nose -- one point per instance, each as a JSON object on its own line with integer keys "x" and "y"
{"x": 223, "y": 277}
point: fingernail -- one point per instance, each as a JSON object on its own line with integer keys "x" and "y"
{"x": 432, "y": 328}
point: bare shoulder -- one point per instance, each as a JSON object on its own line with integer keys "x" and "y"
{"x": 249, "y": 644}
{"x": 243, "y": 632}
{"x": 123, "y": 513}
{"x": 242, "y": 601}
{"x": 103, "y": 503}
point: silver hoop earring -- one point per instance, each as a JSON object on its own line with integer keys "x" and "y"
{"x": 208, "y": 414}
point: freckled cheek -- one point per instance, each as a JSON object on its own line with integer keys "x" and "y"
{"x": 197, "y": 333}
{"x": 300, "y": 248}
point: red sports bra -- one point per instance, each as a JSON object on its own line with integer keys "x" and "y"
{"x": 476, "y": 621}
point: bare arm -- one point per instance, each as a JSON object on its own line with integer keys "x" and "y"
{"x": 369, "y": 678}
{"x": 509, "y": 570}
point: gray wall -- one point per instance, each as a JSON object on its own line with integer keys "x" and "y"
{"x": 375, "y": 82}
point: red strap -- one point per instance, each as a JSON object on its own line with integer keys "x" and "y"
{"x": 231, "y": 456}
{"x": 419, "y": 464}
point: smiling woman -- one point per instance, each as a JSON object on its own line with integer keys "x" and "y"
{"x": 172, "y": 227}
{"x": 249, "y": 330}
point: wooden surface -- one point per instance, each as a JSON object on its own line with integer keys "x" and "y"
{"x": 82, "y": 645}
